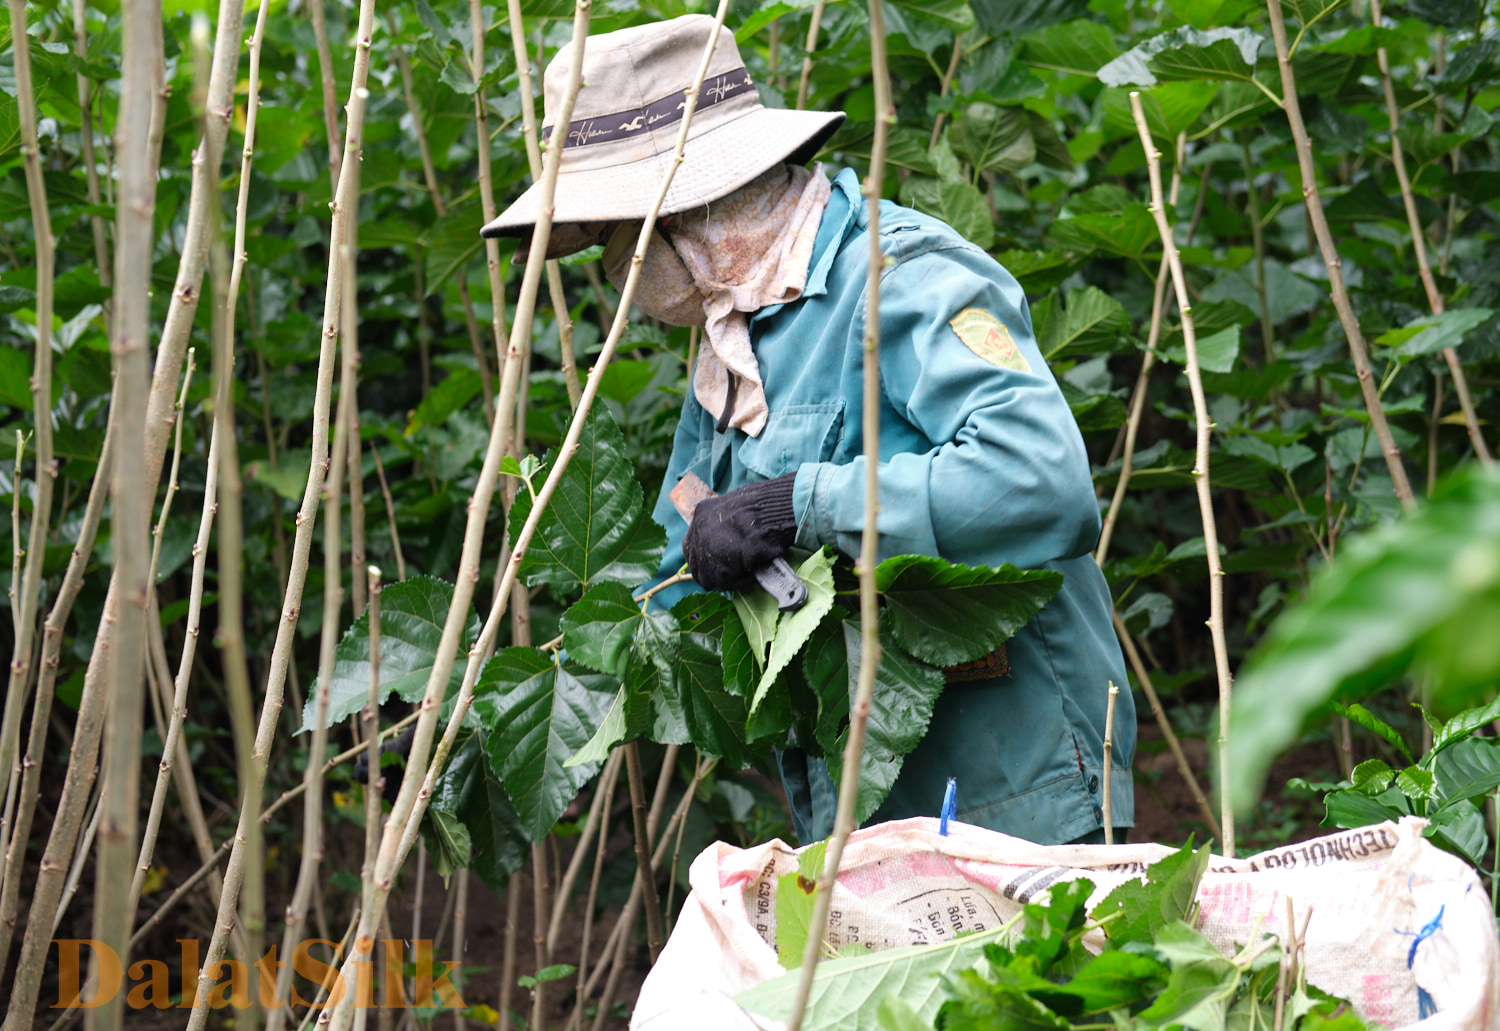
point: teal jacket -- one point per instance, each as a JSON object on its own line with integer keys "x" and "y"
{"x": 981, "y": 462}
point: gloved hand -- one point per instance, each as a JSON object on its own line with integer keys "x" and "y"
{"x": 735, "y": 534}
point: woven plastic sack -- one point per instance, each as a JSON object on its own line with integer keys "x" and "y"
{"x": 1401, "y": 929}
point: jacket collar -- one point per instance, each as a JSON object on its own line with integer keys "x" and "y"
{"x": 842, "y": 212}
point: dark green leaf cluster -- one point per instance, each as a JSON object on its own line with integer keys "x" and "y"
{"x": 1447, "y": 786}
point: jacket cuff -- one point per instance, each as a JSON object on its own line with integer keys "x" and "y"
{"x": 809, "y": 504}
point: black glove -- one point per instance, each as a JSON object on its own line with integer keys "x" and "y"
{"x": 734, "y": 535}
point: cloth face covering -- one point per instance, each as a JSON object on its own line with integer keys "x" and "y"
{"x": 743, "y": 253}
{"x": 665, "y": 289}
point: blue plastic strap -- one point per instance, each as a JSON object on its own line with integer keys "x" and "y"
{"x": 950, "y": 806}
{"x": 1428, "y": 930}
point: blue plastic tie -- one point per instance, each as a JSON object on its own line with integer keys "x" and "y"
{"x": 1432, "y": 927}
{"x": 950, "y": 806}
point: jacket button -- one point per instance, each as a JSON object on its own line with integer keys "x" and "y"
{"x": 1098, "y": 813}
{"x": 1093, "y": 785}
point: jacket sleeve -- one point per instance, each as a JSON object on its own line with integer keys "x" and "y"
{"x": 1006, "y": 478}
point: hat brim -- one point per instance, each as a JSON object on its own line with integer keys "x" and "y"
{"x": 715, "y": 164}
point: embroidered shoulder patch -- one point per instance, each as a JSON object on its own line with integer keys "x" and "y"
{"x": 987, "y": 337}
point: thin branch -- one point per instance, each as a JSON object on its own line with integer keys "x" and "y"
{"x": 179, "y": 707}
{"x": 86, "y": 147}
{"x": 318, "y": 469}
{"x": 131, "y": 500}
{"x": 597, "y": 818}
{"x": 52, "y": 633}
{"x": 41, "y": 397}
{"x": 1340, "y": 294}
{"x": 533, "y": 155}
{"x": 947, "y": 81}
{"x": 621, "y": 937}
{"x": 1173, "y": 744}
{"x": 605, "y": 797}
{"x": 508, "y": 954}
{"x": 869, "y": 651}
{"x": 644, "y": 878}
{"x": 807, "y": 60}
{"x": 390, "y": 511}
{"x": 539, "y": 888}
{"x": 330, "y": 90}
{"x": 1109, "y": 747}
{"x": 333, "y": 596}
{"x": 1419, "y": 247}
{"x": 1200, "y": 466}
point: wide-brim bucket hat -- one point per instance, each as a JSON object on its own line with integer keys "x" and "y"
{"x": 627, "y": 118}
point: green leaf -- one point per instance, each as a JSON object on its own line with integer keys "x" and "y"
{"x": 453, "y": 840}
{"x": 1092, "y": 322}
{"x": 1229, "y": 56}
{"x": 452, "y": 244}
{"x": 1351, "y": 809}
{"x": 906, "y": 690}
{"x": 592, "y": 520}
{"x": 1199, "y": 991}
{"x": 469, "y": 790}
{"x": 795, "y": 895}
{"x": 945, "y": 613}
{"x": 1417, "y": 783}
{"x": 1464, "y": 724}
{"x": 1129, "y": 233}
{"x": 825, "y": 666}
{"x": 1186, "y": 54}
{"x": 538, "y": 714}
{"x": 758, "y": 615}
{"x": 847, "y": 992}
{"x": 613, "y": 729}
{"x": 1217, "y": 352}
{"x": 715, "y": 716}
{"x": 741, "y": 665}
{"x": 995, "y": 139}
{"x": 794, "y": 628}
{"x": 1367, "y": 719}
{"x": 1112, "y": 980}
{"x": 1372, "y": 776}
{"x": 412, "y": 614}
{"x": 1078, "y": 47}
{"x": 1433, "y": 333}
{"x": 1310, "y": 12}
{"x": 1467, "y": 769}
{"x": 454, "y": 391}
{"x": 606, "y": 625}
{"x": 1165, "y": 896}
{"x": 951, "y": 14}
{"x": 15, "y": 377}
{"x": 895, "y": 1015}
{"x": 1460, "y": 829}
{"x": 1169, "y": 108}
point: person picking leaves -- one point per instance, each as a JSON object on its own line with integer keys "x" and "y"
{"x": 981, "y": 461}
